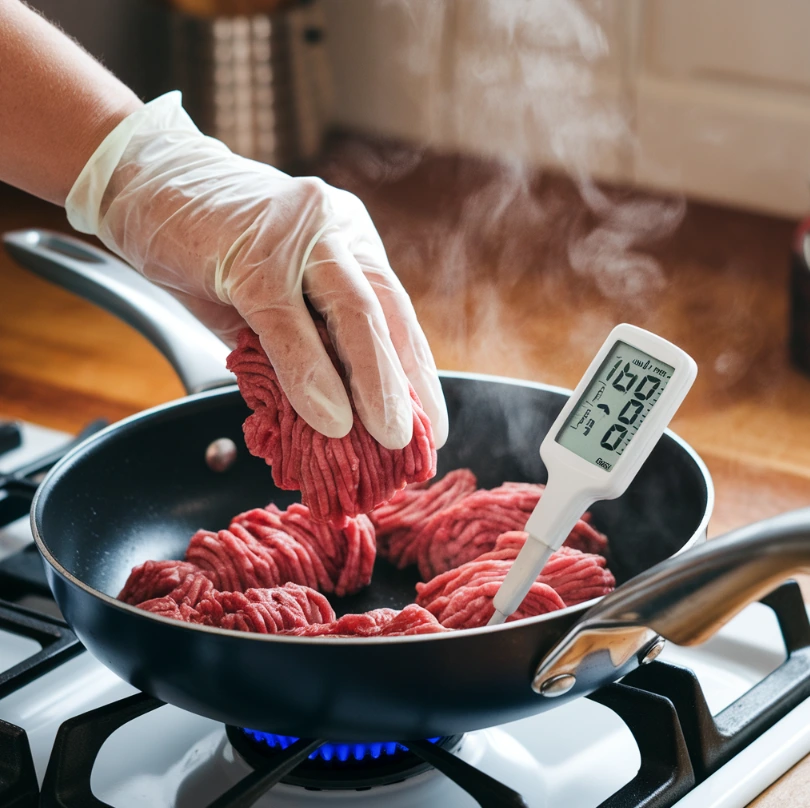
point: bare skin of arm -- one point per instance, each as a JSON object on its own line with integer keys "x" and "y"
{"x": 57, "y": 104}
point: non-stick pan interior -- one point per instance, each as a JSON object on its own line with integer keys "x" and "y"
{"x": 141, "y": 490}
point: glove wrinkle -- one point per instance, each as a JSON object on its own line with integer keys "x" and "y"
{"x": 224, "y": 267}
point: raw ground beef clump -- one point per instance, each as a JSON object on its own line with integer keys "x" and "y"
{"x": 154, "y": 579}
{"x": 337, "y": 477}
{"x": 289, "y": 609}
{"x": 261, "y": 611}
{"x": 400, "y": 521}
{"x": 267, "y": 547}
{"x": 413, "y": 619}
{"x": 450, "y": 523}
{"x": 343, "y": 558}
{"x": 462, "y": 597}
{"x": 262, "y": 575}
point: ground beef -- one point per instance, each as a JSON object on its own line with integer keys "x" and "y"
{"x": 288, "y": 609}
{"x": 262, "y": 573}
{"x": 462, "y": 597}
{"x": 154, "y": 579}
{"x": 182, "y": 601}
{"x": 235, "y": 560}
{"x": 412, "y": 619}
{"x": 261, "y": 611}
{"x": 327, "y": 558}
{"x": 337, "y": 477}
{"x": 471, "y": 525}
{"x": 267, "y": 547}
{"x": 576, "y": 576}
{"x": 399, "y": 522}
{"x": 264, "y": 548}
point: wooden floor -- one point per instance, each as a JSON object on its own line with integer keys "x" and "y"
{"x": 511, "y": 274}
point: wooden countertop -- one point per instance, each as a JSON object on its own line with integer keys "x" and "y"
{"x": 511, "y": 275}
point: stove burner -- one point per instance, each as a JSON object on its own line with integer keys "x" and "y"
{"x": 338, "y": 751}
{"x": 338, "y": 765}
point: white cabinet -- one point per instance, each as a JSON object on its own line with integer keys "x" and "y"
{"x": 705, "y": 97}
{"x": 722, "y": 101}
{"x": 757, "y": 43}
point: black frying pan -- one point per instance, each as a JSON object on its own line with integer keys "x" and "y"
{"x": 139, "y": 489}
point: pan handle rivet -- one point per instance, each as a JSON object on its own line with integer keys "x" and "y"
{"x": 220, "y": 454}
{"x": 556, "y": 685}
{"x": 653, "y": 651}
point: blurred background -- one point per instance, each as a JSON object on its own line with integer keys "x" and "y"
{"x": 703, "y": 98}
{"x": 539, "y": 170}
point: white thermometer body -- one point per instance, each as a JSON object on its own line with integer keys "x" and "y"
{"x": 597, "y": 444}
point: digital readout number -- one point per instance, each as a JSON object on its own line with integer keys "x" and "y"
{"x": 615, "y": 404}
{"x": 624, "y": 383}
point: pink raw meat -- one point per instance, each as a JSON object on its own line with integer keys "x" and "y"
{"x": 412, "y": 619}
{"x": 235, "y": 560}
{"x": 471, "y": 525}
{"x": 400, "y": 521}
{"x": 261, "y": 611}
{"x": 154, "y": 579}
{"x": 574, "y": 575}
{"x": 462, "y": 597}
{"x": 267, "y": 547}
{"x": 337, "y": 477}
{"x": 263, "y": 548}
{"x": 340, "y": 560}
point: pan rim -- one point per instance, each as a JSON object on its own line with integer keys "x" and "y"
{"x": 580, "y": 608}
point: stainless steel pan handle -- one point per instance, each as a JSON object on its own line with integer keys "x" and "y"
{"x": 193, "y": 351}
{"x": 685, "y": 599}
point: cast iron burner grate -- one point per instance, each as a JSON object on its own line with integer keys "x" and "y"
{"x": 18, "y": 781}
{"x": 22, "y": 573}
{"x": 338, "y": 766}
{"x": 58, "y": 643}
{"x": 22, "y": 576}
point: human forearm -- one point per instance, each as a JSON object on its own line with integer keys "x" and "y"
{"x": 56, "y": 104}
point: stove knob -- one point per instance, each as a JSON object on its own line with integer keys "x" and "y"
{"x": 10, "y": 436}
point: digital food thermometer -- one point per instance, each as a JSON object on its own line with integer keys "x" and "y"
{"x": 598, "y": 442}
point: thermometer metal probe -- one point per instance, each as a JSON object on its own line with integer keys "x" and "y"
{"x": 597, "y": 444}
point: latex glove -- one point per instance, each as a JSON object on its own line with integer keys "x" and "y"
{"x": 239, "y": 242}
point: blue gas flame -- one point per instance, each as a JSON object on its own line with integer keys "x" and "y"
{"x": 338, "y": 750}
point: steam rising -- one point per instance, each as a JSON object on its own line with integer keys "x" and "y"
{"x": 534, "y": 83}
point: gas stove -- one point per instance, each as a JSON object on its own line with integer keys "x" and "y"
{"x": 710, "y": 726}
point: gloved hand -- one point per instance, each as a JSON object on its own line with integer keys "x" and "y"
{"x": 238, "y": 242}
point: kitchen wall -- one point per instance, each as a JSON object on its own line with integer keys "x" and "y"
{"x": 711, "y": 99}
{"x": 131, "y": 37}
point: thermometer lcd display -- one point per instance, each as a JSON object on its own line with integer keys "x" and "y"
{"x": 613, "y": 407}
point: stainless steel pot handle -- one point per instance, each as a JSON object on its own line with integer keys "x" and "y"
{"x": 685, "y": 599}
{"x": 193, "y": 351}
